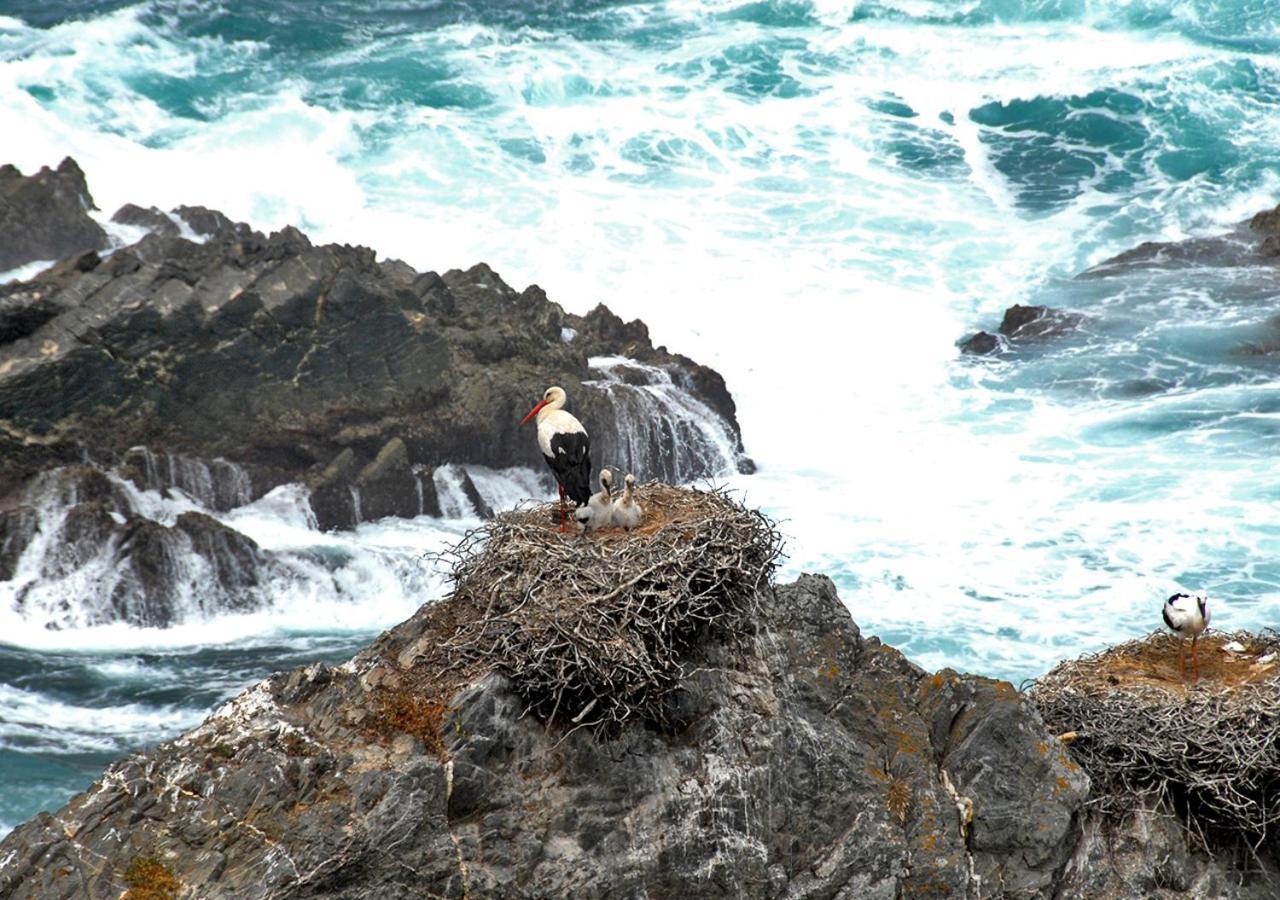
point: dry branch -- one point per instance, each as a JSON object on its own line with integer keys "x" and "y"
{"x": 599, "y": 625}
{"x": 1211, "y": 748}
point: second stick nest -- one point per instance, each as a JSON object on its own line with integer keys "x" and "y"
{"x": 595, "y": 629}
{"x": 1208, "y": 747}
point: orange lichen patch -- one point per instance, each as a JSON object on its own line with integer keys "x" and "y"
{"x": 1006, "y": 691}
{"x": 906, "y": 743}
{"x": 405, "y": 711}
{"x": 149, "y": 879}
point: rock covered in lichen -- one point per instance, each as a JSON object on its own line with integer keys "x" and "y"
{"x": 807, "y": 761}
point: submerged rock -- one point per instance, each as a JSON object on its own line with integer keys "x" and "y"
{"x": 1023, "y": 323}
{"x": 811, "y": 762}
{"x": 46, "y": 215}
{"x": 1253, "y": 242}
{"x": 980, "y": 344}
{"x": 1037, "y": 321}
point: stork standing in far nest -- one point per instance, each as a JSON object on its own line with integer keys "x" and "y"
{"x": 627, "y": 513}
{"x": 1188, "y": 616}
{"x": 564, "y": 445}
{"x": 598, "y": 513}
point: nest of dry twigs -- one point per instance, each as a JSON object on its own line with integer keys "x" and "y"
{"x": 595, "y": 629}
{"x": 1208, "y": 747}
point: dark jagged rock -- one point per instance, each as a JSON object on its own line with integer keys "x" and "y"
{"x": 150, "y": 218}
{"x": 980, "y": 344}
{"x": 388, "y": 486}
{"x": 45, "y": 215}
{"x": 1022, "y": 323}
{"x": 157, "y": 558}
{"x": 217, "y": 484}
{"x": 1266, "y": 222}
{"x": 1037, "y": 321}
{"x": 811, "y": 762}
{"x": 145, "y": 573}
{"x": 1253, "y": 242}
{"x": 1151, "y": 854}
{"x": 277, "y": 356}
{"x": 17, "y": 527}
{"x": 473, "y": 496}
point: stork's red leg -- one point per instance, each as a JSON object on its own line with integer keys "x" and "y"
{"x": 563, "y": 511}
{"x": 1195, "y": 663}
{"x": 1182, "y": 658}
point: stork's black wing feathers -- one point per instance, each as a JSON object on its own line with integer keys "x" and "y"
{"x": 1165, "y": 612}
{"x": 570, "y": 460}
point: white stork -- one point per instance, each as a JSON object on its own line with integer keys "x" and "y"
{"x": 627, "y": 513}
{"x": 564, "y": 445}
{"x": 1187, "y": 615}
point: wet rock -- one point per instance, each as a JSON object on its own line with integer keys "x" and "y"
{"x": 45, "y": 215}
{"x": 150, "y": 218}
{"x": 277, "y": 356}
{"x": 483, "y": 510}
{"x": 813, "y": 762}
{"x": 332, "y": 497}
{"x": 1266, "y": 222}
{"x": 216, "y": 483}
{"x": 980, "y": 344}
{"x": 1253, "y": 242}
{"x": 1037, "y": 322}
{"x": 387, "y": 485}
{"x": 118, "y": 565}
{"x": 17, "y": 527}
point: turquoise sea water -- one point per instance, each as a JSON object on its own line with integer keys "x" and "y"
{"x": 816, "y": 198}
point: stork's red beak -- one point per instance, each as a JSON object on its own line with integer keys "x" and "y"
{"x": 533, "y": 412}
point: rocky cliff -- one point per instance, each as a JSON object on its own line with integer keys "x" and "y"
{"x": 208, "y": 340}
{"x": 210, "y": 359}
{"x": 811, "y": 762}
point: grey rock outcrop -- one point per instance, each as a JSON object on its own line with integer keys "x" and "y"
{"x": 809, "y": 761}
{"x": 45, "y": 216}
{"x": 1151, "y": 854}
{"x": 277, "y": 356}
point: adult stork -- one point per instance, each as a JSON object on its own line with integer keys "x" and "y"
{"x": 564, "y": 444}
{"x": 1187, "y": 615}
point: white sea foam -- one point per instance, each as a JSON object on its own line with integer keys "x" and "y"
{"x": 777, "y": 238}
{"x": 32, "y": 720}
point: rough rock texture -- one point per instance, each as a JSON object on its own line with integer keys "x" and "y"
{"x": 1253, "y": 242}
{"x": 1022, "y": 323}
{"x": 131, "y": 569}
{"x": 46, "y": 216}
{"x": 277, "y": 356}
{"x": 813, "y": 762}
{"x": 1151, "y": 855}
{"x": 980, "y": 343}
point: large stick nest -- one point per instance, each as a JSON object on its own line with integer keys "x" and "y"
{"x": 1209, "y": 747}
{"x": 596, "y": 628}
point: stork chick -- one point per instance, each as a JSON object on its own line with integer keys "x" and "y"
{"x": 627, "y": 513}
{"x": 598, "y": 513}
{"x": 1187, "y": 615}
